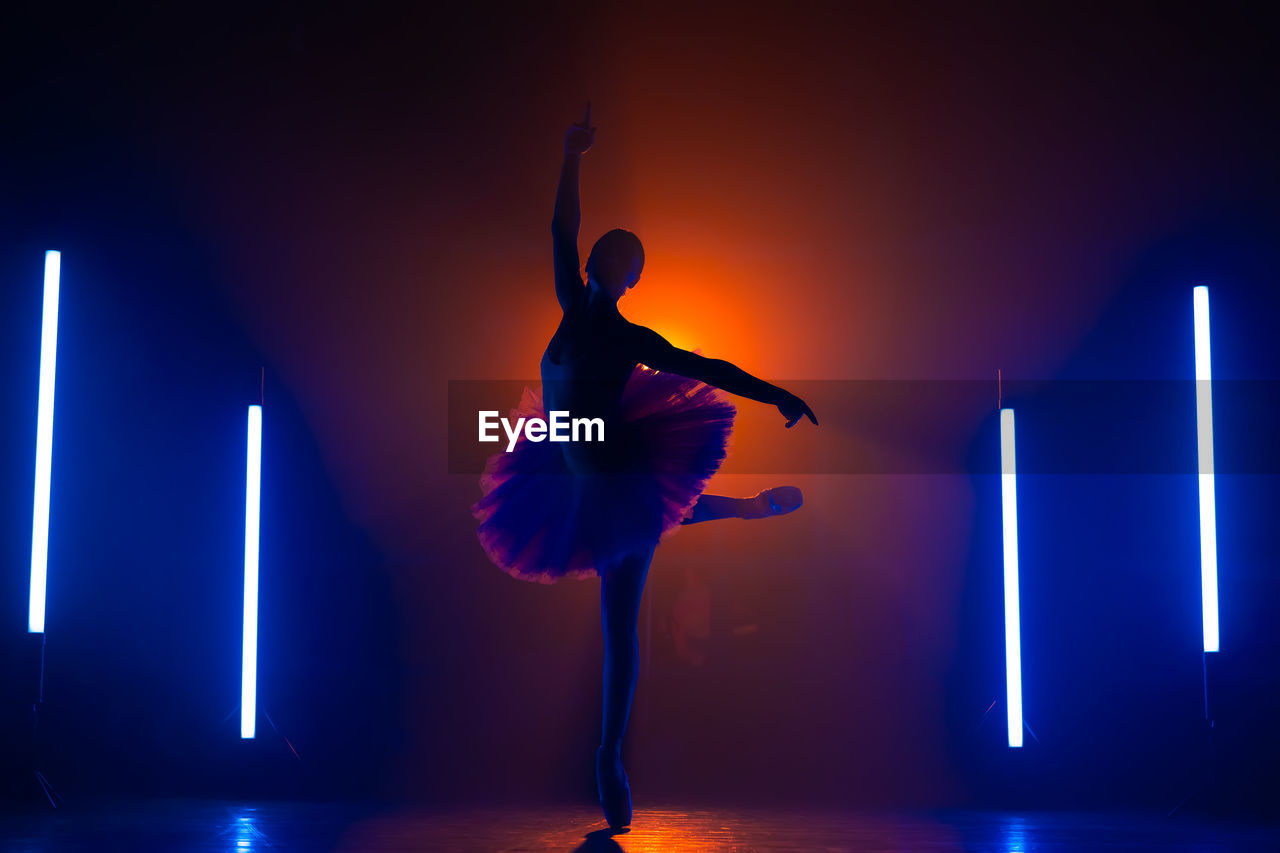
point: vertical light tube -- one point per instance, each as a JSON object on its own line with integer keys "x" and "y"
{"x": 1012, "y": 618}
{"x": 44, "y": 443}
{"x": 252, "y": 503}
{"x": 1204, "y": 450}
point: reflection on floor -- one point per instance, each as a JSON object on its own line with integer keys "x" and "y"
{"x": 227, "y": 827}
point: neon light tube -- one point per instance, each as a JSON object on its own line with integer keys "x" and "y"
{"x": 1204, "y": 450}
{"x": 44, "y": 443}
{"x": 1012, "y": 619}
{"x": 249, "y": 660}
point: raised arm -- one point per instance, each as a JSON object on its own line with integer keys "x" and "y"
{"x": 568, "y": 215}
{"x": 655, "y": 351}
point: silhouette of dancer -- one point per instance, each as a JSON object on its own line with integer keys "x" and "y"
{"x": 580, "y": 508}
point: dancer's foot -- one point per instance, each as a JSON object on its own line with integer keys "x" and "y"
{"x": 779, "y": 500}
{"x": 612, "y": 788}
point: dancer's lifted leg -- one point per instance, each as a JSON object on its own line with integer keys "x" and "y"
{"x": 779, "y": 500}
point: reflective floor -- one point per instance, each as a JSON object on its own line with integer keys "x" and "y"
{"x": 226, "y": 826}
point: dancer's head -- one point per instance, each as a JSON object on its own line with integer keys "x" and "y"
{"x": 615, "y": 262}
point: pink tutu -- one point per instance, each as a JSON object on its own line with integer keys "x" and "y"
{"x": 539, "y": 521}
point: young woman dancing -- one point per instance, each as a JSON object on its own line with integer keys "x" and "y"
{"x": 581, "y": 508}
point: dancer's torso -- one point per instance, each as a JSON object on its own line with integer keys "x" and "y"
{"x": 584, "y": 369}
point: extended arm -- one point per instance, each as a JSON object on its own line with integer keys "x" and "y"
{"x": 564, "y": 234}
{"x": 568, "y": 215}
{"x": 655, "y": 351}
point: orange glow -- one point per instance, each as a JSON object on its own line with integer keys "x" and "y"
{"x": 693, "y": 304}
{"x": 654, "y": 831}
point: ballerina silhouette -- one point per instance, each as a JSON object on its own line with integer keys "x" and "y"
{"x": 583, "y": 508}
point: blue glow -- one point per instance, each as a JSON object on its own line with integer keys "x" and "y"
{"x": 44, "y": 443}
{"x": 249, "y": 661}
{"x": 1015, "y": 838}
{"x": 244, "y": 831}
{"x": 1204, "y": 450}
{"x": 1012, "y": 619}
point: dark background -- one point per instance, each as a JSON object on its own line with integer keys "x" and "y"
{"x": 355, "y": 201}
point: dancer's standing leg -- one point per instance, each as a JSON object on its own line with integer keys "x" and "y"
{"x": 621, "y": 588}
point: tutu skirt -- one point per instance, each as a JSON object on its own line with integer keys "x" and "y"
{"x": 541, "y": 521}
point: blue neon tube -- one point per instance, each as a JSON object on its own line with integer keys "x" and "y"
{"x": 1204, "y": 450}
{"x": 44, "y": 443}
{"x": 1012, "y": 617}
{"x": 252, "y": 502}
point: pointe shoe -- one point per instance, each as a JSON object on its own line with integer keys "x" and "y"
{"x": 613, "y": 789}
{"x": 779, "y": 500}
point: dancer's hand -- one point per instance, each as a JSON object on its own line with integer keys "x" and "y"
{"x": 580, "y": 136}
{"x": 793, "y": 409}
